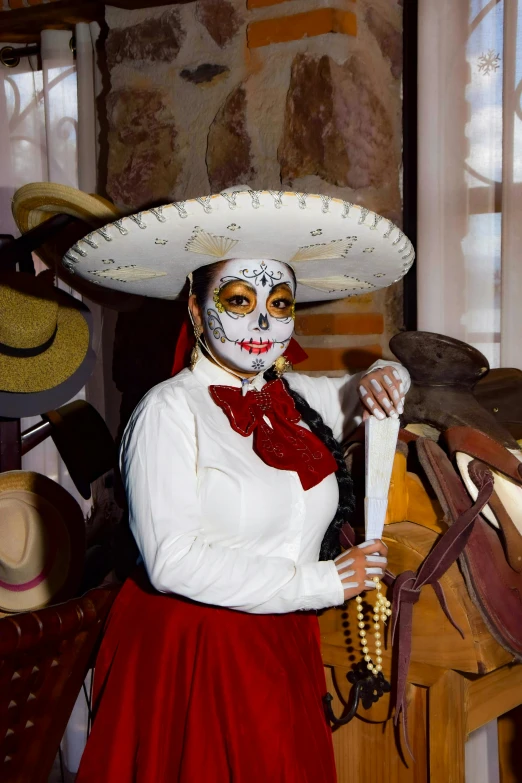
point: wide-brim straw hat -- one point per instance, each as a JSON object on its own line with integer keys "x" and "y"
{"x": 336, "y": 248}
{"x": 36, "y": 202}
{"x": 42, "y": 542}
{"x": 45, "y": 345}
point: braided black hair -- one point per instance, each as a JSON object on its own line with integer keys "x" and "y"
{"x": 330, "y": 546}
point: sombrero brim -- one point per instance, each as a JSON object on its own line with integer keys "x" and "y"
{"x": 73, "y": 541}
{"x": 36, "y": 202}
{"x": 15, "y": 405}
{"x": 337, "y": 249}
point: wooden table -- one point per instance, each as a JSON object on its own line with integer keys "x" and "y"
{"x": 454, "y": 686}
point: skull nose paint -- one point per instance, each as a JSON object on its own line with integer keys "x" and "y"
{"x": 263, "y": 322}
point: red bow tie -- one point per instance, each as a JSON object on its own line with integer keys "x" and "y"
{"x": 284, "y": 445}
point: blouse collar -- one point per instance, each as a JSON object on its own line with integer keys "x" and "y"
{"x": 209, "y": 374}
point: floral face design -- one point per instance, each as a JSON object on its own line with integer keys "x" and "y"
{"x": 249, "y": 313}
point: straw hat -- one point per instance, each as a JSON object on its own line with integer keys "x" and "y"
{"x": 45, "y": 340}
{"x": 336, "y": 248}
{"x": 36, "y": 202}
{"x": 42, "y": 542}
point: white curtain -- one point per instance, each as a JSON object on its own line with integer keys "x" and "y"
{"x": 49, "y": 133}
{"x": 470, "y": 174}
{"x": 48, "y": 128}
{"x": 469, "y": 200}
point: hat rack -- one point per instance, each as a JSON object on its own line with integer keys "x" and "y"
{"x": 14, "y": 254}
{"x": 10, "y": 445}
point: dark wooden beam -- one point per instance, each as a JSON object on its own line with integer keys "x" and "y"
{"x": 409, "y": 146}
{"x": 26, "y": 24}
{"x": 10, "y": 445}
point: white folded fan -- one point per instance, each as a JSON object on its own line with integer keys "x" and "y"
{"x": 380, "y": 444}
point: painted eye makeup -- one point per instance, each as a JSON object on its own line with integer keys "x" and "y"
{"x": 238, "y": 301}
{"x": 280, "y": 303}
{"x": 237, "y": 297}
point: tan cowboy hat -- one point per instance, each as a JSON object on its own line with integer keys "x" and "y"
{"x": 42, "y": 542}
{"x": 44, "y": 336}
{"x": 336, "y": 248}
{"x": 36, "y": 202}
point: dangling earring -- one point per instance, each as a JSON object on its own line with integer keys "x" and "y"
{"x": 281, "y": 365}
{"x": 194, "y": 356}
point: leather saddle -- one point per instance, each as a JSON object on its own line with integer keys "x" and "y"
{"x": 475, "y": 470}
{"x": 500, "y": 392}
{"x": 444, "y": 375}
{"x": 490, "y": 558}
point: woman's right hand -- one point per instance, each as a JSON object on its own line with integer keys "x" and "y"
{"x": 358, "y": 566}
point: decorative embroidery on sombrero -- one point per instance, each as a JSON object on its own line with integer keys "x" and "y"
{"x": 206, "y": 244}
{"x": 337, "y": 248}
{"x": 249, "y": 313}
{"x": 337, "y": 283}
{"x": 128, "y": 274}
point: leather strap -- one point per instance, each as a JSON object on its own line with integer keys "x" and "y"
{"x": 512, "y": 540}
{"x": 406, "y": 589}
{"x": 484, "y": 448}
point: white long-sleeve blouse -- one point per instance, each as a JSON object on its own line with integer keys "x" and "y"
{"x": 212, "y": 521}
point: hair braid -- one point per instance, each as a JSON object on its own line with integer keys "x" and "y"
{"x": 330, "y": 546}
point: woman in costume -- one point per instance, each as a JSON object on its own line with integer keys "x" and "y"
{"x": 210, "y": 668}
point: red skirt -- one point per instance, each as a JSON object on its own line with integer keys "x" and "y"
{"x": 190, "y": 693}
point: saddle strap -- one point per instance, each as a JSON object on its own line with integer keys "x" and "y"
{"x": 511, "y": 538}
{"x": 406, "y": 589}
{"x": 484, "y": 448}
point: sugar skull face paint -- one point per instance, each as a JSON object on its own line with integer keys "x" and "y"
{"x": 249, "y": 313}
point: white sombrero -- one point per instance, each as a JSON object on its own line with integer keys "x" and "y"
{"x": 336, "y": 248}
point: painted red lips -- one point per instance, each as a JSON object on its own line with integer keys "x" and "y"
{"x": 255, "y": 347}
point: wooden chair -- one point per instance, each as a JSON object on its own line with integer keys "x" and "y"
{"x": 44, "y": 658}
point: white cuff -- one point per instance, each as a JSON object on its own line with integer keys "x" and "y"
{"x": 322, "y": 584}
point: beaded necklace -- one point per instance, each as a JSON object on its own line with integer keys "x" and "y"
{"x": 381, "y": 612}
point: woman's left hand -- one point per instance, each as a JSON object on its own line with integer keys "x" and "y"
{"x": 382, "y": 393}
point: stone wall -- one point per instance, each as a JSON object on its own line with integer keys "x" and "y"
{"x": 277, "y": 94}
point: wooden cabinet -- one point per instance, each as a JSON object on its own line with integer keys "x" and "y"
{"x": 455, "y": 684}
